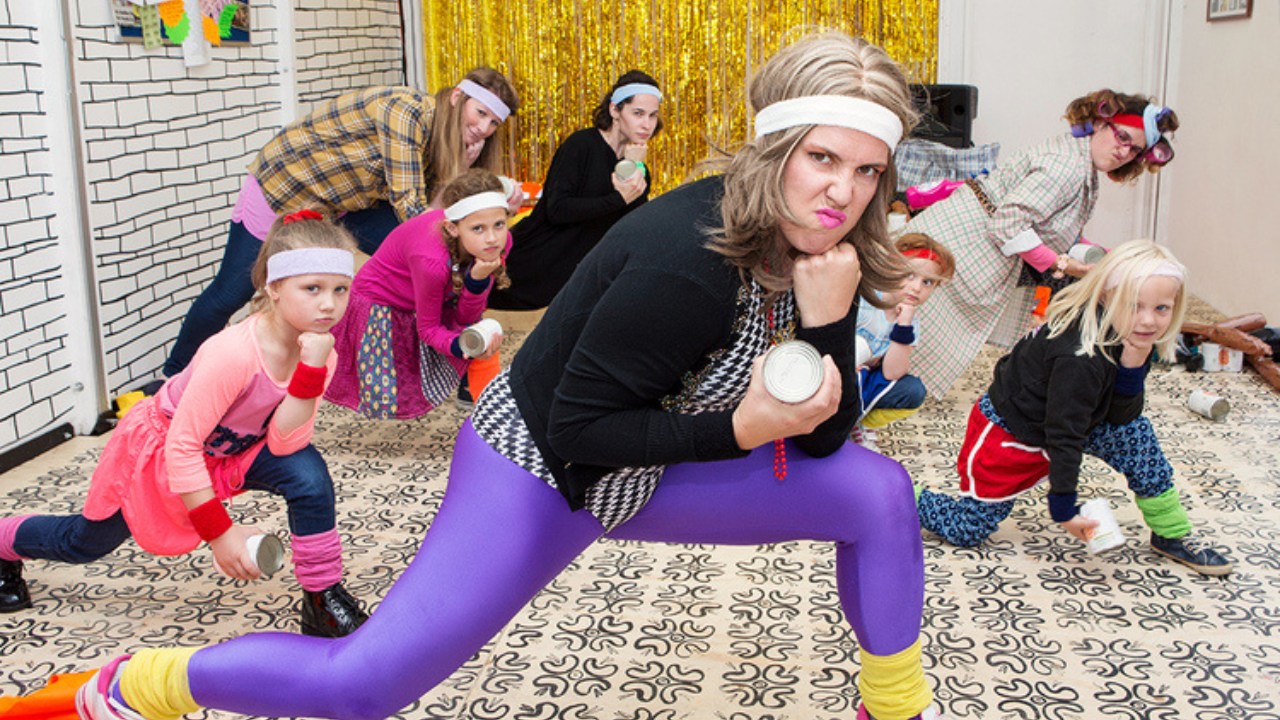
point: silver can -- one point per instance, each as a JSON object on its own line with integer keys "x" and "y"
{"x": 1208, "y": 405}
{"x": 625, "y": 168}
{"x": 476, "y": 338}
{"x": 793, "y": 371}
{"x": 1087, "y": 254}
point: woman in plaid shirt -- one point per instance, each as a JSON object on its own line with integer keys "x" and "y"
{"x": 377, "y": 155}
{"x": 1028, "y": 212}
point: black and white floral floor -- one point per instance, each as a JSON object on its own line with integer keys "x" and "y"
{"x": 1027, "y": 626}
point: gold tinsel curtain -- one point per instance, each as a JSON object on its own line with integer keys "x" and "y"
{"x": 563, "y": 55}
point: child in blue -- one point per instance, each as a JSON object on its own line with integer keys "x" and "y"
{"x": 1075, "y": 386}
{"x": 889, "y": 392}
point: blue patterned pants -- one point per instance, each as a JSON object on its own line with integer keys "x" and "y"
{"x": 1131, "y": 449}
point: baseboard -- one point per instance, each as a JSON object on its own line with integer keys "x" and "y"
{"x": 36, "y": 446}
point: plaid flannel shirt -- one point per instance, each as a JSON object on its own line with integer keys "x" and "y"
{"x": 359, "y": 148}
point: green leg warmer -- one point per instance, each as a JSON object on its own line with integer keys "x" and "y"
{"x": 1164, "y": 514}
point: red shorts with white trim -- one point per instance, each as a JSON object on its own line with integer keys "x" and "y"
{"x": 995, "y": 466}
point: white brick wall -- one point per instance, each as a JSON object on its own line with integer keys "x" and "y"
{"x": 165, "y": 150}
{"x": 346, "y": 44}
{"x": 34, "y": 377}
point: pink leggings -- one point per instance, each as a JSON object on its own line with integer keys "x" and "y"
{"x": 501, "y": 535}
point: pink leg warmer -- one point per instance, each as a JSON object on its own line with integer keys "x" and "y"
{"x": 317, "y": 560}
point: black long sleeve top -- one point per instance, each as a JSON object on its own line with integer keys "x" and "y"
{"x": 647, "y": 310}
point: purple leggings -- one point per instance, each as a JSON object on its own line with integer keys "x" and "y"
{"x": 501, "y": 535}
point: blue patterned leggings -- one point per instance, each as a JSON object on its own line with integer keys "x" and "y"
{"x": 1131, "y": 449}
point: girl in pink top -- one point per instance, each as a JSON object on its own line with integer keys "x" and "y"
{"x": 239, "y": 417}
{"x": 399, "y": 353}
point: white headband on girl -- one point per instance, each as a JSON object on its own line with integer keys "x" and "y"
{"x": 486, "y": 98}
{"x": 840, "y": 110}
{"x": 310, "y": 261}
{"x": 472, "y": 203}
{"x": 1164, "y": 269}
{"x": 632, "y": 90}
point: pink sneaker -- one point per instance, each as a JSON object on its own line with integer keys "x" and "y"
{"x": 93, "y": 699}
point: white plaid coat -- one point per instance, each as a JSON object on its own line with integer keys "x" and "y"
{"x": 1050, "y": 188}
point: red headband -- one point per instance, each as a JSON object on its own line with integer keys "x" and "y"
{"x": 301, "y": 215}
{"x": 923, "y": 254}
{"x": 1133, "y": 121}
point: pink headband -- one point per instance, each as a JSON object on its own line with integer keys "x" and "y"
{"x": 486, "y": 98}
{"x": 310, "y": 261}
{"x": 1164, "y": 269}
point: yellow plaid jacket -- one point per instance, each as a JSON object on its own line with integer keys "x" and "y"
{"x": 359, "y": 148}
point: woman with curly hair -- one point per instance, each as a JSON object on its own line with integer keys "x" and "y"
{"x": 1011, "y": 230}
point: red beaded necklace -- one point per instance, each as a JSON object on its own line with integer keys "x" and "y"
{"x": 779, "y": 445}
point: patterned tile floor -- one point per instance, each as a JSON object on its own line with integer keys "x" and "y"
{"x": 1027, "y": 626}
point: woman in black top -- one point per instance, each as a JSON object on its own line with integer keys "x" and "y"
{"x": 636, "y": 409}
{"x": 582, "y": 196}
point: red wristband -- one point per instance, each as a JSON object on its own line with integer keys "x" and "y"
{"x": 307, "y": 382}
{"x": 210, "y": 520}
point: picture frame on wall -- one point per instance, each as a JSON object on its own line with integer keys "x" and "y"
{"x": 1228, "y": 9}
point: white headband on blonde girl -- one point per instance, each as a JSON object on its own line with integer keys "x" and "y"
{"x": 633, "y": 89}
{"x": 486, "y": 98}
{"x": 310, "y": 261}
{"x": 472, "y": 203}
{"x": 1164, "y": 269}
{"x": 842, "y": 111}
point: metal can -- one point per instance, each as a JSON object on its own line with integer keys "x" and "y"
{"x": 266, "y": 552}
{"x": 1086, "y": 253}
{"x": 1218, "y": 358}
{"x": 1107, "y": 535}
{"x": 625, "y": 168}
{"x": 475, "y": 339}
{"x": 793, "y": 371}
{"x": 1211, "y": 406}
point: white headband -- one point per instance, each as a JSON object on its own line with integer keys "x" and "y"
{"x": 486, "y": 98}
{"x": 472, "y": 203}
{"x": 633, "y": 89}
{"x": 1164, "y": 269}
{"x": 839, "y": 110}
{"x": 310, "y": 261}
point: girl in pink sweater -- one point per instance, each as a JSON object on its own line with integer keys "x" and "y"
{"x": 399, "y": 353}
{"x": 239, "y": 417}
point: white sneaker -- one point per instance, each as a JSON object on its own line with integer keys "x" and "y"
{"x": 868, "y": 438}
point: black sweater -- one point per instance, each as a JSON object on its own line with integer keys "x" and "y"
{"x": 647, "y": 307}
{"x": 579, "y": 204}
{"x": 1053, "y": 398}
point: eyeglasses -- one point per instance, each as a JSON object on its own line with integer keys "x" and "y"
{"x": 1159, "y": 153}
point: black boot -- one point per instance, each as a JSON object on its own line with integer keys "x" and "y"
{"x": 331, "y": 612}
{"x": 13, "y": 589}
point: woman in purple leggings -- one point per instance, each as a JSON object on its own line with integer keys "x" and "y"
{"x": 637, "y": 410}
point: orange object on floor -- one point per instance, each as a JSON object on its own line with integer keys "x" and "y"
{"x": 480, "y": 372}
{"x": 56, "y": 701}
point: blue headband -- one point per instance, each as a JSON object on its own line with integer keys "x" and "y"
{"x": 632, "y": 89}
{"x": 1151, "y": 117}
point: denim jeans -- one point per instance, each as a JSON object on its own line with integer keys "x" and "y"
{"x": 232, "y": 287}
{"x": 301, "y": 478}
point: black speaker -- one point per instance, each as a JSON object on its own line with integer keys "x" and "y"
{"x": 947, "y": 113}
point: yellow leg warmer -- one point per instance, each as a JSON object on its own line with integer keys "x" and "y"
{"x": 880, "y": 417}
{"x": 893, "y": 687}
{"x": 154, "y": 682}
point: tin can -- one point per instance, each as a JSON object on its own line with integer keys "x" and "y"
{"x": 862, "y": 351}
{"x": 266, "y": 552}
{"x": 625, "y": 168}
{"x": 793, "y": 371}
{"x": 1086, "y": 253}
{"x": 1107, "y": 535}
{"x": 475, "y": 339}
{"x": 1211, "y": 406}
{"x": 1221, "y": 359}
{"x": 509, "y": 186}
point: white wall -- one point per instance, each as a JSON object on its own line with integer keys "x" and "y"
{"x": 105, "y": 242}
{"x": 1223, "y": 213}
{"x": 1029, "y": 58}
{"x": 1214, "y": 205}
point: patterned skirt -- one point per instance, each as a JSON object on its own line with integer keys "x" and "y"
{"x": 384, "y": 369}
